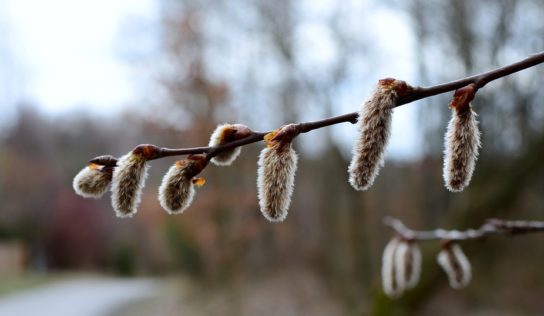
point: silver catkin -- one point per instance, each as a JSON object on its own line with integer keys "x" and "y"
{"x": 92, "y": 181}
{"x": 275, "y": 180}
{"x": 176, "y": 191}
{"x": 127, "y": 184}
{"x": 220, "y": 136}
{"x": 456, "y": 265}
{"x": 374, "y": 130}
{"x": 462, "y": 142}
{"x": 391, "y": 286}
{"x": 407, "y": 264}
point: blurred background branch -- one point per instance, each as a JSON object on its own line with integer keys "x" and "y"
{"x": 490, "y": 227}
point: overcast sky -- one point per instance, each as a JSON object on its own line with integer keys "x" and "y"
{"x": 64, "y": 52}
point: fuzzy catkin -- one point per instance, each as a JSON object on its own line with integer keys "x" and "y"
{"x": 275, "y": 180}
{"x": 456, "y": 265}
{"x": 127, "y": 184}
{"x": 374, "y": 131}
{"x": 223, "y": 134}
{"x": 176, "y": 191}
{"x": 407, "y": 264}
{"x": 390, "y": 284}
{"x": 462, "y": 141}
{"x": 91, "y": 182}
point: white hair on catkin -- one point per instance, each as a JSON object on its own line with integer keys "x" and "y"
{"x": 177, "y": 190}
{"x": 407, "y": 264}
{"x": 223, "y": 134}
{"x": 91, "y": 182}
{"x": 128, "y": 183}
{"x": 462, "y": 141}
{"x": 374, "y": 131}
{"x": 277, "y": 166}
{"x": 390, "y": 284}
{"x": 456, "y": 265}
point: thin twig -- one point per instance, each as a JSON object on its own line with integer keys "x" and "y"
{"x": 417, "y": 93}
{"x": 490, "y": 227}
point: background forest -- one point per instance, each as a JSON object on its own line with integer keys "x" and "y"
{"x": 266, "y": 63}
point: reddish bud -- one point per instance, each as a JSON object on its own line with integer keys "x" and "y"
{"x": 282, "y": 136}
{"x": 462, "y": 97}
{"x": 400, "y": 87}
{"x": 147, "y": 151}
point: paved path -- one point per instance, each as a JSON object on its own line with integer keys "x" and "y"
{"x": 79, "y": 297}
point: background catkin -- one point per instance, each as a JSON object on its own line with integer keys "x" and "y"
{"x": 391, "y": 287}
{"x": 456, "y": 265}
{"x": 462, "y": 141}
{"x": 407, "y": 264}
{"x": 275, "y": 180}
{"x": 374, "y": 130}
{"x": 127, "y": 184}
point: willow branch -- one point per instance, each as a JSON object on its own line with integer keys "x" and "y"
{"x": 417, "y": 93}
{"x": 252, "y": 138}
{"x": 490, "y": 227}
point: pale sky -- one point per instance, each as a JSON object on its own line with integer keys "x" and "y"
{"x": 64, "y": 55}
{"x": 66, "y": 51}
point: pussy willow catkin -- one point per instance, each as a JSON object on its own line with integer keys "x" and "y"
{"x": 127, "y": 184}
{"x": 226, "y": 133}
{"x": 276, "y": 178}
{"x": 176, "y": 191}
{"x": 374, "y": 131}
{"x": 92, "y": 181}
{"x": 462, "y": 142}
